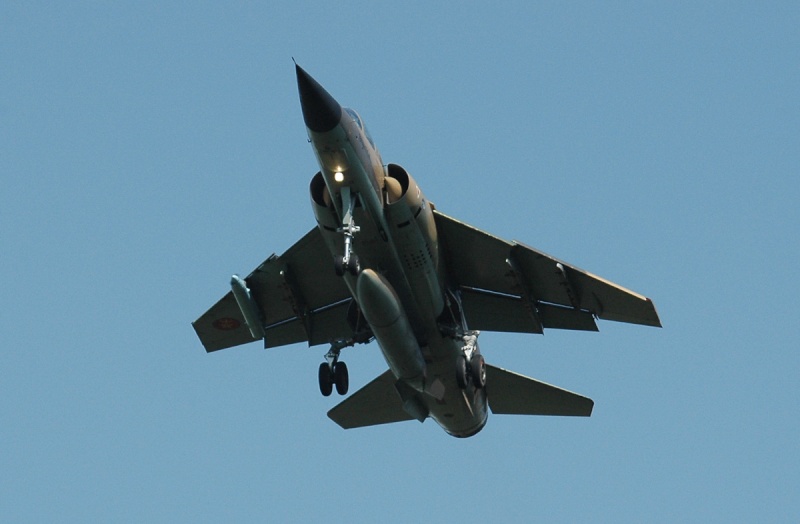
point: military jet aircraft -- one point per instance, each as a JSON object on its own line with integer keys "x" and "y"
{"x": 383, "y": 263}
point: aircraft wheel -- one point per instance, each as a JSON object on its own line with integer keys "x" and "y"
{"x": 341, "y": 378}
{"x": 338, "y": 265}
{"x": 325, "y": 379}
{"x": 354, "y": 266}
{"x": 461, "y": 372}
{"x": 478, "y": 370}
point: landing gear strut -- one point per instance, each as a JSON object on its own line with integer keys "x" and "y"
{"x": 349, "y": 261}
{"x": 333, "y": 372}
{"x": 462, "y": 377}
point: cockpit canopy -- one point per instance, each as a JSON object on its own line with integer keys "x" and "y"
{"x": 360, "y": 124}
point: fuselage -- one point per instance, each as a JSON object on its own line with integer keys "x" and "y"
{"x": 378, "y": 214}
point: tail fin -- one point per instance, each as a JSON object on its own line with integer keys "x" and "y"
{"x": 514, "y": 394}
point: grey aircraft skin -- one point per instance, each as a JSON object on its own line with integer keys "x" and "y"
{"x": 384, "y": 264}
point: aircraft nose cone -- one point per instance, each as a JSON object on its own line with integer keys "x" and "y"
{"x": 320, "y": 111}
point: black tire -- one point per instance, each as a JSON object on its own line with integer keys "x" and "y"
{"x": 341, "y": 378}
{"x": 325, "y": 380}
{"x": 478, "y": 370}
{"x": 461, "y": 372}
{"x": 338, "y": 265}
{"x": 354, "y": 265}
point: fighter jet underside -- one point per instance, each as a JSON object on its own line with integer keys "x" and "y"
{"x": 383, "y": 264}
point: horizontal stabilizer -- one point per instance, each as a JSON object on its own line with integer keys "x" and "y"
{"x": 376, "y": 403}
{"x": 514, "y": 394}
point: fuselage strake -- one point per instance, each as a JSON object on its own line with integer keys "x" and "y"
{"x": 381, "y": 233}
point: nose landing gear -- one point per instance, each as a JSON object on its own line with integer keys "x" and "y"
{"x": 351, "y": 264}
{"x": 349, "y": 261}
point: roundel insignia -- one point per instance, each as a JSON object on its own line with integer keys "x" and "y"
{"x": 226, "y": 324}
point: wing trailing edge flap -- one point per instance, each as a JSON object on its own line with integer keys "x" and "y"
{"x": 508, "y": 313}
{"x": 376, "y": 403}
{"x": 317, "y": 327}
{"x": 510, "y": 393}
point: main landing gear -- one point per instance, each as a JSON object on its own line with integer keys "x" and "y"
{"x": 332, "y": 372}
{"x": 349, "y": 261}
{"x": 470, "y": 366}
{"x": 338, "y": 377}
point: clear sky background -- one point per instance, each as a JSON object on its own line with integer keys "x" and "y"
{"x": 149, "y": 150}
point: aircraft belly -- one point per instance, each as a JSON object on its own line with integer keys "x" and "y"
{"x": 384, "y": 257}
{"x": 415, "y": 242}
{"x": 429, "y": 371}
{"x": 410, "y": 342}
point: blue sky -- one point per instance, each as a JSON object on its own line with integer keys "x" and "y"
{"x": 149, "y": 151}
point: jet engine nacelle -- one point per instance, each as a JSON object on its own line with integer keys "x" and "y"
{"x": 328, "y": 222}
{"x": 413, "y": 231}
{"x": 321, "y": 202}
